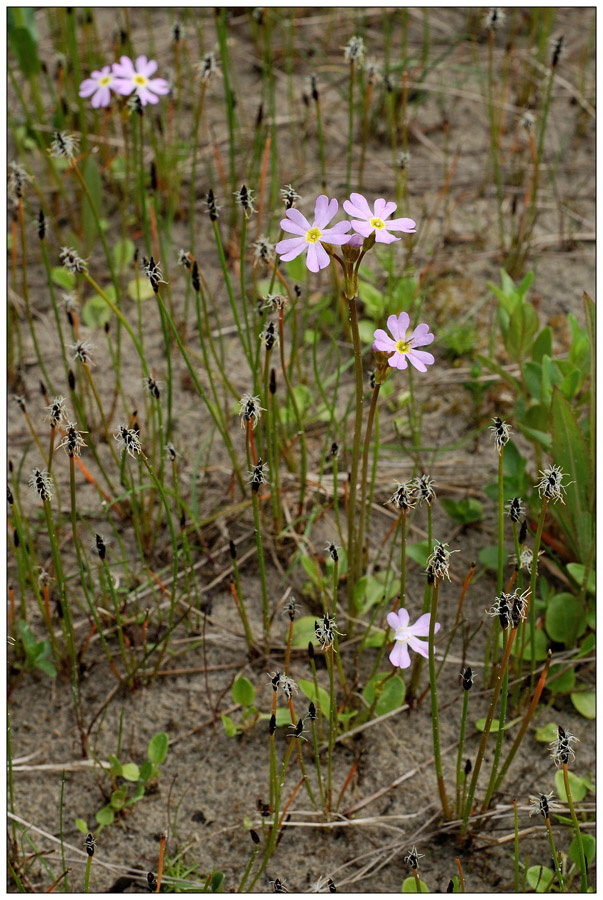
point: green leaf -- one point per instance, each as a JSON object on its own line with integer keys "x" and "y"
{"x": 140, "y": 287}
{"x": 587, "y": 646}
{"x": 565, "y": 620}
{"x": 541, "y": 646}
{"x": 303, "y": 631}
{"x": 409, "y": 886}
{"x": 547, "y": 733}
{"x": 62, "y": 278}
{"x": 464, "y": 511}
{"x": 562, "y": 683}
{"x": 217, "y": 883}
{"x": 95, "y": 312}
{"x": 481, "y": 725}
{"x": 296, "y": 269}
{"x": 366, "y": 332}
{"x": 570, "y": 452}
{"x": 123, "y": 254}
{"x": 115, "y": 765}
{"x": 589, "y": 846}
{"x": 130, "y": 772}
{"x": 92, "y": 178}
{"x": 81, "y": 826}
{"x": 324, "y": 702}
{"x": 137, "y": 795}
{"x": 27, "y": 636}
{"x": 243, "y": 691}
{"x": 23, "y": 45}
{"x": 118, "y": 797}
{"x": 105, "y": 816}
{"x": 372, "y": 589}
{"x": 488, "y": 557}
{"x": 577, "y": 787}
{"x": 419, "y": 552}
{"x": 283, "y": 716}
{"x": 390, "y": 694}
{"x": 519, "y": 336}
{"x": 578, "y": 571}
{"x": 230, "y": 729}
{"x": 540, "y": 878}
{"x": 373, "y": 300}
{"x": 158, "y": 748}
{"x": 311, "y": 569}
{"x": 46, "y": 666}
{"x": 586, "y": 703}
{"x": 543, "y": 344}
{"x": 146, "y": 771}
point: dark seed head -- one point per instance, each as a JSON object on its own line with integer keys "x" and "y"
{"x": 468, "y": 768}
{"x": 233, "y": 550}
{"x": 254, "y": 836}
{"x": 272, "y": 381}
{"x": 71, "y": 380}
{"x": 272, "y": 727}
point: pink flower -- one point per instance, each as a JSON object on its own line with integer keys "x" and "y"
{"x": 310, "y": 236}
{"x": 402, "y": 345}
{"x": 98, "y": 86}
{"x": 131, "y": 77}
{"x": 367, "y": 221}
{"x": 408, "y": 634}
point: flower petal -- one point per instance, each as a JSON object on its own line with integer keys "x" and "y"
{"x": 146, "y": 68}
{"x": 295, "y": 216}
{"x": 393, "y": 325}
{"x": 158, "y": 86}
{"x": 358, "y": 205}
{"x": 402, "y": 655}
{"x": 312, "y": 258}
{"x": 398, "y": 361}
{"x": 383, "y": 341}
{"x": 421, "y": 336}
{"x": 361, "y": 226}
{"x": 88, "y": 87}
{"x": 395, "y": 656}
{"x": 295, "y": 246}
{"x": 392, "y": 620}
{"x": 384, "y": 209}
{"x": 122, "y": 86}
{"x": 323, "y": 257}
{"x": 403, "y": 617}
{"x": 403, "y": 224}
{"x": 403, "y": 323}
{"x": 124, "y": 68}
{"x": 418, "y": 646}
{"x": 420, "y": 359}
{"x": 293, "y": 228}
{"x": 324, "y": 211}
{"x": 384, "y": 237}
{"x": 421, "y": 626}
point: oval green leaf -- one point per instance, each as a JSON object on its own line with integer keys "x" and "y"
{"x": 158, "y": 748}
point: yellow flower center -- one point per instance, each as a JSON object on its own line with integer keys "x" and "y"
{"x": 140, "y": 79}
{"x": 106, "y": 79}
{"x": 313, "y": 235}
{"x": 377, "y": 223}
{"x": 403, "y": 346}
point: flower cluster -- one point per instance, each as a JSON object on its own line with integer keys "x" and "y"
{"x": 125, "y": 77}
{"x": 366, "y": 222}
{"x": 561, "y": 748}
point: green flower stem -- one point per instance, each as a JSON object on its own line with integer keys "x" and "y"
{"x": 194, "y": 153}
{"x": 321, "y": 145}
{"x": 435, "y": 721}
{"x": 365, "y": 132}
{"x": 67, "y": 622}
{"x": 502, "y": 716}
{"x": 231, "y": 297}
{"x": 315, "y": 682}
{"x": 364, "y": 478}
{"x": 560, "y": 878}
{"x": 584, "y": 879}
{"x": 352, "y": 549}
{"x": 329, "y": 656}
{"x": 248, "y": 868}
{"x": 298, "y": 420}
{"x": 336, "y": 499}
{"x": 318, "y": 769}
{"x": 243, "y": 289}
{"x": 487, "y": 727}
{"x": 460, "y": 775}
{"x": 277, "y": 800}
{"x": 25, "y": 290}
{"x": 350, "y": 127}
{"x": 501, "y": 527}
{"x": 214, "y": 414}
{"x": 262, "y": 565}
{"x": 516, "y": 844}
{"x": 418, "y": 660}
{"x": 534, "y": 574}
{"x": 87, "y": 874}
{"x": 222, "y": 40}
{"x": 241, "y": 604}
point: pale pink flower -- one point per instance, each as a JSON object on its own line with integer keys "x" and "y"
{"x": 367, "y": 220}
{"x": 98, "y": 87}
{"x": 408, "y": 634}
{"x": 402, "y": 345}
{"x": 130, "y": 77}
{"x": 310, "y": 236}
